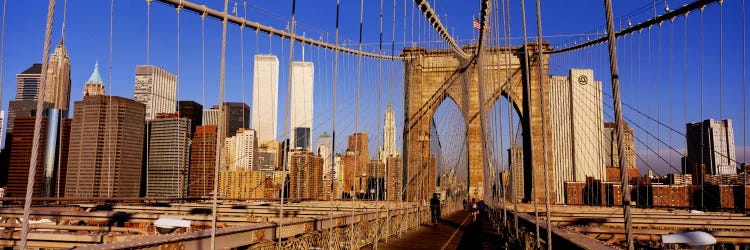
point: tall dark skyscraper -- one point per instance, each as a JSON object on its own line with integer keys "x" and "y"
{"x": 236, "y": 115}
{"x": 169, "y": 155}
{"x": 193, "y": 111}
{"x": 106, "y": 147}
{"x": 711, "y": 143}
{"x": 202, "y": 161}
{"x": 302, "y": 137}
{"x": 52, "y": 159}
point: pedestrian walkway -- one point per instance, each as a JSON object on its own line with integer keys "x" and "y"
{"x": 455, "y": 231}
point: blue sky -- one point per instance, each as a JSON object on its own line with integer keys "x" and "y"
{"x": 87, "y": 40}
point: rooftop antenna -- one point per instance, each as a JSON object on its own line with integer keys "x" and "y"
{"x": 303, "y": 48}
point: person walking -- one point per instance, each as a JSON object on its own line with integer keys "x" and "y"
{"x": 474, "y": 209}
{"x": 435, "y": 208}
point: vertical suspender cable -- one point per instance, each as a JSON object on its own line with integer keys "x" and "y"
{"x": 38, "y": 121}
{"x": 618, "y": 120}
{"x": 511, "y": 136}
{"x": 671, "y": 78}
{"x": 285, "y": 160}
{"x": 744, "y": 95}
{"x": 180, "y": 184}
{"x": 701, "y": 162}
{"x": 721, "y": 61}
{"x": 542, "y": 77}
{"x": 527, "y": 83}
{"x": 2, "y": 52}
{"x": 219, "y": 130}
{"x": 356, "y": 114}
{"x": 148, "y": 32}
{"x": 109, "y": 104}
{"x": 380, "y": 84}
{"x": 333, "y": 119}
{"x": 242, "y": 64}
{"x": 204, "y": 187}
{"x": 684, "y": 76}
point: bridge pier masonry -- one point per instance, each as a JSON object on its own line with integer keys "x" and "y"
{"x": 433, "y": 76}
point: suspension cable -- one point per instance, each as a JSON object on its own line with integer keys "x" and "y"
{"x": 509, "y": 82}
{"x": 527, "y": 82}
{"x": 285, "y": 161}
{"x": 744, "y": 94}
{"x": 220, "y": 125}
{"x": 619, "y": 123}
{"x": 37, "y": 122}
{"x": 2, "y": 53}
{"x": 204, "y": 187}
{"x": 544, "y": 126}
{"x": 333, "y": 122}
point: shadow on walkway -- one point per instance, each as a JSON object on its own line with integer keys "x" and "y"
{"x": 455, "y": 231}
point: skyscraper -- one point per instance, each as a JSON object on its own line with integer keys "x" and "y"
{"x": 193, "y": 111}
{"x": 27, "y": 87}
{"x": 515, "y": 157}
{"x": 169, "y": 156}
{"x": 302, "y": 137}
{"x": 21, "y": 108}
{"x": 394, "y": 181}
{"x": 611, "y": 153}
{"x": 242, "y": 184}
{"x": 95, "y": 85}
{"x": 156, "y": 88}
{"x": 211, "y": 116}
{"x": 355, "y": 161}
{"x": 389, "y": 136}
{"x": 236, "y": 116}
{"x": 301, "y": 110}
{"x": 52, "y": 159}
{"x": 325, "y": 150}
{"x": 57, "y": 90}
{"x": 711, "y": 143}
{"x": 269, "y": 156}
{"x": 305, "y": 175}
{"x": 202, "y": 161}
{"x": 577, "y": 128}
{"x": 265, "y": 96}
{"x": 106, "y": 147}
{"x": 242, "y": 150}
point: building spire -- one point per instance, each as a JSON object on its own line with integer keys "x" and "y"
{"x": 95, "y": 77}
{"x": 95, "y": 85}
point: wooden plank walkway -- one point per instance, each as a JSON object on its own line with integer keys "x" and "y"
{"x": 455, "y": 231}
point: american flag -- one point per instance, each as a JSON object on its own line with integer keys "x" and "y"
{"x": 478, "y": 25}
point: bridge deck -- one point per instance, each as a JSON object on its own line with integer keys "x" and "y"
{"x": 455, "y": 231}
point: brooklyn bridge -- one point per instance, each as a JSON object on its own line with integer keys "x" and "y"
{"x": 422, "y": 124}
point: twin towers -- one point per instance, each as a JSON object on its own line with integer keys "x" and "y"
{"x": 266, "y": 96}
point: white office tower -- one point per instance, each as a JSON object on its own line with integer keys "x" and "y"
{"x": 211, "y": 116}
{"x": 302, "y": 101}
{"x": 389, "y": 135}
{"x": 242, "y": 150}
{"x": 156, "y": 88}
{"x": 325, "y": 150}
{"x": 711, "y": 143}
{"x": 265, "y": 96}
{"x": 577, "y": 125}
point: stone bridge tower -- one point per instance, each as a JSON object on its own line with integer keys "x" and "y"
{"x": 432, "y": 76}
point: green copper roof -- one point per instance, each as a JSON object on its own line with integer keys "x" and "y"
{"x": 95, "y": 77}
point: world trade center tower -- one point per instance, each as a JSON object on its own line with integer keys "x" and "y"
{"x": 265, "y": 96}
